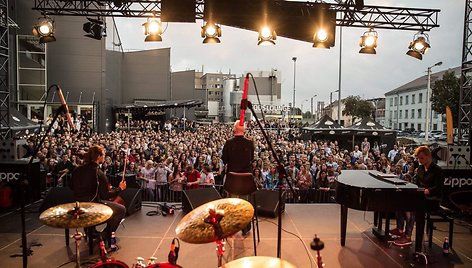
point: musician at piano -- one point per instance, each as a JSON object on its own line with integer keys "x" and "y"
{"x": 430, "y": 178}
{"x": 90, "y": 184}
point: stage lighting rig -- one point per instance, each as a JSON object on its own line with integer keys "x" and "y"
{"x": 419, "y": 46}
{"x": 368, "y": 42}
{"x": 267, "y": 36}
{"x": 95, "y": 29}
{"x": 211, "y": 32}
{"x": 44, "y": 29}
{"x": 153, "y": 30}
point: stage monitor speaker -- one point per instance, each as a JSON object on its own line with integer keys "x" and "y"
{"x": 268, "y": 202}
{"x": 133, "y": 199}
{"x": 194, "y": 198}
{"x": 57, "y": 196}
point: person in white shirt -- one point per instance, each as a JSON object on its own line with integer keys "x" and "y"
{"x": 147, "y": 175}
{"x": 206, "y": 176}
{"x": 392, "y": 153}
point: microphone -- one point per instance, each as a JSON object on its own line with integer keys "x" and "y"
{"x": 243, "y": 105}
{"x": 173, "y": 253}
{"x": 66, "y": 108}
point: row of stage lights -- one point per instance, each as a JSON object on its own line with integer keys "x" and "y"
{"x": 211, "y": 33}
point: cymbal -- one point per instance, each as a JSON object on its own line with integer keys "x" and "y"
{"x": 193, "y": 228}
{"x": 89, "y": 214}
{"x": 258, "y": 262}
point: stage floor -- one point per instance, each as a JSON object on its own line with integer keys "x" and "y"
{"x": 146, "y": 236}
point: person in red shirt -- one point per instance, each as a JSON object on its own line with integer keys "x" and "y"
{"x": 193, "y": 177}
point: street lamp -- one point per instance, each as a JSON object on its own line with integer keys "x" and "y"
{"x": 294, "y": 73}
{"x": 331, "y": 96}
{"x": 312, "y": 115}
{"x": 428, "y": 89}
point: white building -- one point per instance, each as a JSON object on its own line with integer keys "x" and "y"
{"x": 405, "y": 106}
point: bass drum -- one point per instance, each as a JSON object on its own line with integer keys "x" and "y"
{"x": 110, "y": 264}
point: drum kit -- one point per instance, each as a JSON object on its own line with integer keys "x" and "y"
{"x": 214, "y": 221}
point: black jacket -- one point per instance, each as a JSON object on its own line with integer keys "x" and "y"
{"x": 238, "y": 154}
{"x": 84, "y": 184}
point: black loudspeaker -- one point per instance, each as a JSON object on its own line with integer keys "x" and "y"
{"x": 268, "y": 203}
{"x": 194, "y": 198}
{"x": 57, "y": 196}
{"x": 133, "y": 199}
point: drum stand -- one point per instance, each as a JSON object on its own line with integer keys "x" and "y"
{"x": 77, "y": 236}
{"x": 214, "y": 219}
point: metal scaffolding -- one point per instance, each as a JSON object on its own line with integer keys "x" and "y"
{"x": 5, "y": 131}
{"x": 465, "y": 101}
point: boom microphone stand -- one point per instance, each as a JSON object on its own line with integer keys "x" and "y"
{"x": 24, "y": 181}
{"x": 282, "y": 178}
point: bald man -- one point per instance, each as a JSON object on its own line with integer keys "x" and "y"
{"x": 238, "y": 151}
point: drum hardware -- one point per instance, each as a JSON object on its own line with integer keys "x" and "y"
{"x": 317, "y": 245}
{"x": 76, "y": 215}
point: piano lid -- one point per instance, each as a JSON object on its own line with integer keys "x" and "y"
{"x": 362, "y": 179}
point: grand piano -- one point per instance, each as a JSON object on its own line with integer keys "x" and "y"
{"x": 373, "y": 191}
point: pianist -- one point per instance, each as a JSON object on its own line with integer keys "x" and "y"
{"x": 429, "y": 176}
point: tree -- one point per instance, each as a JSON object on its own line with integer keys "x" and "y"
{"x": 445, "y": 92}
{"x": 357, "y": 107}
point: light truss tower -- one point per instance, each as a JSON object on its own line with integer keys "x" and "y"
{"x": 465, "y": 101}
{"x": 5, "y": 130}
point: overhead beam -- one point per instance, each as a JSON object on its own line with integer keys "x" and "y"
{"x": 349, "y": 14}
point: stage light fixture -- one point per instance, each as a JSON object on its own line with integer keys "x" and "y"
{"x": 211, "y": 33}
{"x": 266, "y": 36}
{"x": 368, "y": 42}
{"x": 320, "y": 38}
{"x": 44, "y": 29}
{"x": 153, "y": 30}
{"x": 95, "y": 29}
{"x": 419, "y": 46}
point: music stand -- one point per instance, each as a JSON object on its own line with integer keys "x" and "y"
{"x": 241, "y": 184}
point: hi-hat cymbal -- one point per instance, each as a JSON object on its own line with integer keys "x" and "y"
{"x": 258, "y": 262}
{"x": 193, "y": 228}
{"x": 89, "y": 214}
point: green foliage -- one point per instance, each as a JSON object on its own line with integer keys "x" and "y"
{"x": 445, "y": 92}
{"x": 357, "y": 107}
{"x": 307, "y": 114}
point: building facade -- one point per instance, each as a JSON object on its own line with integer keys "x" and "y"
{"x": 405, "y": 106}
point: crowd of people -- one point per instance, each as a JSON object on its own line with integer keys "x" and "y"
{"x": 168, "y": 159}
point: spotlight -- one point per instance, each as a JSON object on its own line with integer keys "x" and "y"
{"x": 44, "y": 29}
{"x": 153, "y": 30}
{"x": 211, "y": 32}
{"x": 320, "y": 38}
{"x": 419, "y": 46}
{"x": 266, "y": 36}
{"x": 95, "y": 29}
{"x": 368, "y": 42}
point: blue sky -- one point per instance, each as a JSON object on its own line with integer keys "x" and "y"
{"x": 368, "y": 76}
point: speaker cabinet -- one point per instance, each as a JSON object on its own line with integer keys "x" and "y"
{"x": 196, "y": 197}
{"x": 133, "y": 199}
{"x": 57, "y": 196}
{"x": 267, "y": 202}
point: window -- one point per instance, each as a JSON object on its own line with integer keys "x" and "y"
{"x": 413, "y": 99}
{"x": 400, "y": 116}
{"x": 401, "y": 100}
{"x": 406, "y": 99}
{"x": 391, "y": 102}
{"x": 435, "y": 115}
{"x": 419, "y": 127}
{"x": 419, "y": 113}
{"x": 391, "y": 114}
{"x": 406, "y": 125}
{"x": 412, "y": 113}
{"x": 412, "y": 126}
{"x": 420, "y": 98}
{"x": 406, "y": 116}
{"x": 395, "y": 115}
{"x": 435, "y": 126}
{"x": 396, "y": 101}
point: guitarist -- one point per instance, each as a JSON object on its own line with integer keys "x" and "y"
{"x": 90, "y": 184}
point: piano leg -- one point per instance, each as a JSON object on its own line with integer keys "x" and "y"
{"x": 420, "y": 215}
{"x": 343, "y": 224}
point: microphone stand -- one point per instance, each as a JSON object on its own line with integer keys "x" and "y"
{"x": 282, "y": 177}
{"x": 24, "y": 182}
